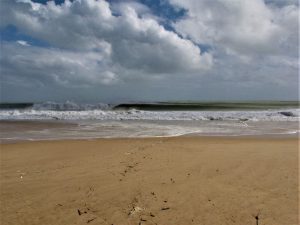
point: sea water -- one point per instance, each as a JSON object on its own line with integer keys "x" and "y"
{"x": 45, "y": 121}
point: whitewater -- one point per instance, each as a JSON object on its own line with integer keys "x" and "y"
{"x": 101, "y": 111}
{"x": 47, "y": 121}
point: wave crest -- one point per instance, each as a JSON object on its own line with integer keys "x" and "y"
{"x": 70, "y": 106}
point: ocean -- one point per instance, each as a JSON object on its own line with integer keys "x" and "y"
{"x": 70, "y": 120}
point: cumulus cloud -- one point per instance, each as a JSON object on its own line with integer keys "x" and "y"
{"x": 91, "y": 44}
{"x": 254, "y": 43}
{"x": 215, "y": 45}
{"x": 241, "y": 27}
{"x": 50, "y": 65}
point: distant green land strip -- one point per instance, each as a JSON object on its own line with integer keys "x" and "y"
{"x": 181, "y": 106}
{"x": 22, "y": 105}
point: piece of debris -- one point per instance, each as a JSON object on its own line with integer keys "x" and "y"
{"x": 257, "y": 218}
{"x": 91, "y": 220}
{"x": 134, "y": 210}
{"x": 165, "y": 208}
{"x": 22, "y": 175}
{"x": 152, "y": 215}
{"x": 80, "y": 213}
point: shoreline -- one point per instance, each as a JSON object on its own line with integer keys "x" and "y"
{"x": 170, "y": 181}
{"x": 192, "y": 135}
{"x": 20, "y": 131}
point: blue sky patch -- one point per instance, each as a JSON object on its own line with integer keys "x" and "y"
{"x": 164, "y": 9}
{"x": 45, "y": 1}
{"x": 11, "y": 33}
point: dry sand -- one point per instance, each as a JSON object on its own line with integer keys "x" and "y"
{"x": 186, "y": 180}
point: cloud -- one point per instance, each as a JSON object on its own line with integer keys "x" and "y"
{"x": 24, "y": 43}
{"x": 50, "y": 65}
{"x": 248, "y": 28}
{"x": 96, "y": 45}
{"x": 215, "y": 49}
{"x": 282, "y": 3}
{"x": 254, "y": 43}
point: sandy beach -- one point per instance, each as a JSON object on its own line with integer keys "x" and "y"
{"x": 166, "y": 181}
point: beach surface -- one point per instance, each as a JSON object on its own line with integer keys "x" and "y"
{"x": 167, "y": 181}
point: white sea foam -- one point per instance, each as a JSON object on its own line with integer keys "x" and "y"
{"x": 101, "y": 121}
{"x": 87, "y": 129}
{"x": 100, "y": 114}
{"x": 69, "y": 106}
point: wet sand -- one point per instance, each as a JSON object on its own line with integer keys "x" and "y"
{"x": 182, "y": 180}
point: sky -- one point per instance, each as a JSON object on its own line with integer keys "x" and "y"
{"x": 149, "y": 50}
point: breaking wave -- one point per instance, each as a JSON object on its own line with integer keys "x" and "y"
{"x": 49, "y": 111}
{"x": 69, "y": 106}
{"x": 70, "y": 120}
